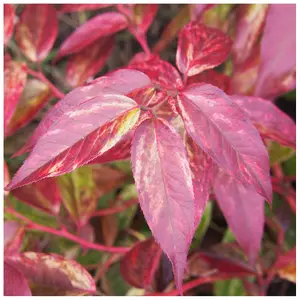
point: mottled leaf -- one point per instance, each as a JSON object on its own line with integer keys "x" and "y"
{"x": 139, "y": 265}
{"x": 15, "y": 76}
{"x": 53, "y": 270}
{"x": 164, "y": 184}
{"x": 15, "y": 284}
{"x": 243, "y": 209}
{"x": 118, "y": 82}
{"x": 37, "y": 30}
{"x": 226, "y": 134}
{"x": 270, "y": 121}
{"x": 13, "y": 237}
{"x": 9, "y": 17}
{"x": 86, "y": 63}
{"x": 43, "y": 195}
{"x": 277, "y": 73}
{"x": 100, "y": 26}
{"x": 201, "y": 48}
{"x": 81, "y": 7}
{"x": 35, "y": 95}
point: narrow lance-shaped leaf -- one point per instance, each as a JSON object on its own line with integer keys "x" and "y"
{"x": 100, "y": 26}
{"x": 277, "y": 73}
{"x": 37, "y": 30}
{"x": 226, "y": 134}
{"x": 53, "y": 270}
{"x": 165, "y": 189}
{"x": 9, "y": 16}
{"x": 201, "y": 48}
{"x": 270, "y": 121}
{"x": 243, "y": 209}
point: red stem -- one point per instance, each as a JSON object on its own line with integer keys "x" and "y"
{"x": 39, "y": 75}
{"x": 65, "y": 234}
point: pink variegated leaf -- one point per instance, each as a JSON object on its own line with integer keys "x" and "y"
{"x": 37, "y": 30}
{"x": 202, "y": 172}
{"x": 212, "y": 77}
{"x": 85, "y": 130}
{"x": 9, "y": 16}
{"x": 226, "y": 134}
{"x": 277, "y": 74}
{"x": 201, "y": 48}
{"x": 243, "y": 209}
{"x": 164, "y": 183}
{"x": 81, "y": 7}
{"x": 13, "y": 237}
{"x": 15, "y": 76}
{"x": 119, "y": 82}
{"x": 250, "y": 21}
{"x": 100, "y": 26}
{"x": 6, "y": 177}
{"x": 270, "y": 121}
{"x": 86, "y": 63}
{"x": 44, "y": 195}
{"x": 15, "y": 284}
{"x": 53, "y": 270}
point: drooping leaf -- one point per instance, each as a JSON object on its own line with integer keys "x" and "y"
{"x": 139, "y": 265}
{"x": 9, "y": 16}
{"x": 86, "y": 63}
{"x": 277, "y": 74}
{"x": 84, "y": 131}
{"x": 250, "y": 20}
{"x": 270, "y": 121}
{"x": 44, "y": 195}
{"x": 35, "y": 95}
{"x": 243, "y": 209}
{"x": 13, "y": 236}
{"x": 37, "y": 30}
{"x": 100, "y": 26}
{"x": 53, "y": 270}
{"x": 15, "y": 284}
{"x": 201, "y": 48}
{"x": 81, "y": 7}
{"x": 15, "y": 76}
{"x": 164, "y": 184}
{"x": 118, "y": 82}
{"x": 226, "y": 134}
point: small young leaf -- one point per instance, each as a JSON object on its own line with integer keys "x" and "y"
{"x": 9, "y": 16}
{"x": 165, "y": 189}
{"x": 37, "y": 30}
{"x": 201, "y": 48}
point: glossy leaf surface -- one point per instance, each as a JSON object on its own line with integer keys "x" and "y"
{"x": 243, "y": 209}
{"x": 164, "y": 184}
{"x": 53, "y": 270}
{"x": 37, "y": 30}
{"x": 9, "y": 16}
{"x": 226, "y": 134}
{"x": 270, "y": 121}
{"x": 100, "y": 26}
{"x": 139, "y": 265}
{"x": 278, "y": 52}
{"x": 201, "y": 48}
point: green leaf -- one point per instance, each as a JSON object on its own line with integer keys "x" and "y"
{"x": 228, "y": 236}
{"x": 279, "y": 154}
{"x": 232, "y": 287}
{"x": 289, "y": 166}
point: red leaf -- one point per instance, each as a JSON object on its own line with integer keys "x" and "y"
{"x": 270, "y": 121}
{"x": 85, "y": 130}
{"x": 212, "y": 77}
{"x": 201, "y": 48}
{"x": 164, "y": 184}
{"x": 9, "y": 17}
{"x": 202, "y": 172}
{"x": 81, "y": 7}
{"x": 13, "y": 237}
{"x": 139, "y": 265}
{"x": 243, "y": 209}
{"x": 86, "y": 63}
{"x": 100, "y": 26}
{"x": 278, "y": 52}
{"x": 53, "y": 270}
{"x": 285, "y": 259}
{"x": 119, "y": 82}
{"x": 44, "y": 195}
{"x": 15, "y": 76}
{"x": 15, "y": 284}
{"x": 37, "y": 30}
{"x": 226, "y": 134}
